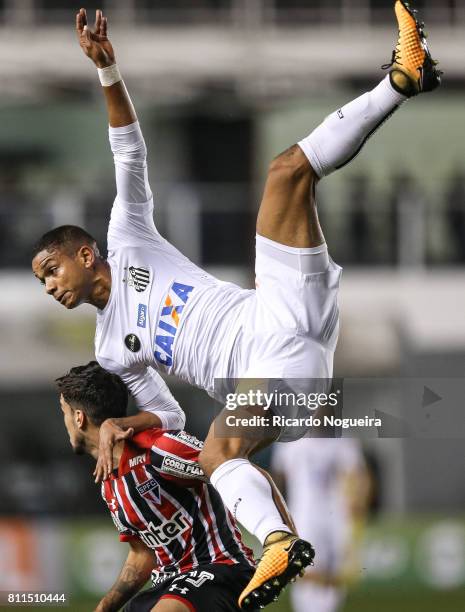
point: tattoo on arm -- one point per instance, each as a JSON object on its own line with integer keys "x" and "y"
{"x": 129, "y": 582}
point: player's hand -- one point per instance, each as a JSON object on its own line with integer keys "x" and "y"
{"x": 110, "y": 433}
{"x": 95, "y": 44}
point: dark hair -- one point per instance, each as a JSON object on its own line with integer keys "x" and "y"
{"x": 100, "y": 394}
{"x": 65, "y": 236}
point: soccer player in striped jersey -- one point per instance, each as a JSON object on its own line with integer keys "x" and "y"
{"x": 159, "y": 312}
{"x": 178, "y": 529}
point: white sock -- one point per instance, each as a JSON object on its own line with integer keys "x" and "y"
{"x": 247, "y": 495}
{"x": 342, "y": 135}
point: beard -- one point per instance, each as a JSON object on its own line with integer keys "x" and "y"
{"x": 79, "y": 446}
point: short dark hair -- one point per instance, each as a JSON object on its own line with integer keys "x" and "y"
{"x": 100, "y": 394}
{"x": 65, "y": 236}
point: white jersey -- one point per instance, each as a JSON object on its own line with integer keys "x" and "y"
{"x": 155, "y": 291}
{"x": 165, "y": 314}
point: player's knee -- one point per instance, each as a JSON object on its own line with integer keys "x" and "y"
{"x": 291, "y": 167}
{"x": 217, "y": 451}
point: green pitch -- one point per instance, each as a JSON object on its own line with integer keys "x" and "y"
{"x": 414, "y": 601}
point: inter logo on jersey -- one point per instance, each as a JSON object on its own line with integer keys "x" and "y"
{"x": 168, "y": 323}
{"x": 138, "y": 278}
{"x": 164, "y": 533}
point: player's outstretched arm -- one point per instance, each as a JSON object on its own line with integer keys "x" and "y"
{"x": 96, "y": 45}
{"x": 134, "y": 574}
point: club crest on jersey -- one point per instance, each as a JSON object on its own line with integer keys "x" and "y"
{"x": 138, "y": 278}
{"x": 150, "y": 490}
{"x": 168, "y": 322}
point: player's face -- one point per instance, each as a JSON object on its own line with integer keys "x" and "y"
{"x": 76, "y": 437}
{"x": 66, "y": 278}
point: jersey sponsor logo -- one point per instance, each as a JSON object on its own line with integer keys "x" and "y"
{"x": 142, "y": 315}
{"x": 178, "y": 467}
{"x": 165, "y": 533}
{"x": 187, "y": 439}
{"x": 150, "y": 490}
{"x": 168, "y": 323}
{"x": 138, "y": 278}
{"x": 132, "y": 342}
{"x": 136, "y": 460}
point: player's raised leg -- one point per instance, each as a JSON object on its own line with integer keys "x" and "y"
{"x": 288, "y": 216}
{"x": 287, "y": 213}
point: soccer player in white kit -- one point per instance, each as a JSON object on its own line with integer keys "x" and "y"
{"x": 159, "y": 312}
{"x": 327, "y": 490}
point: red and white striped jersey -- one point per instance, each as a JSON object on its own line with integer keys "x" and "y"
{"x": 160, "y": 495}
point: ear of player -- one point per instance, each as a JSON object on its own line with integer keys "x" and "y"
{"x": 281, "y": 563}
{"x": 413, "y": 71}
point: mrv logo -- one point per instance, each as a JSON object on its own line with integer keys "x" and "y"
{"x": 165, "y": 533}
{"x": 168, "y": 323}
{"x": 136, "y": 460}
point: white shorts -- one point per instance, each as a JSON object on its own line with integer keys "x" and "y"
{"x": 291, "y": 327}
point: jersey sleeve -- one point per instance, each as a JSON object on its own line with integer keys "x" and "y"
{"x": 125, "y": 534}
{"x": 150, "y": 392}
{"x": 175, "y": 456}
{"x": 131, "y": 221}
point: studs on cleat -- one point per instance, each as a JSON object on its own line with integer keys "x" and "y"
{"x": 267, "y": 586}
{"x": 276, "y": 583}
{"x": 297, "y": 563}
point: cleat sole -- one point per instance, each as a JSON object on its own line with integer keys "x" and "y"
{"x": 300, "y": 556}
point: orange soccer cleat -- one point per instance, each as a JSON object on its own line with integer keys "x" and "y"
{"x": 281, "y": 563}
{"x": 413, "y": 71}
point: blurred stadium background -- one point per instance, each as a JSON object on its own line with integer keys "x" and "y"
{"x": 221, "y": 87}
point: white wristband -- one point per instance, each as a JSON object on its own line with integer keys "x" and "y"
{"x": 109, "y": 76}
